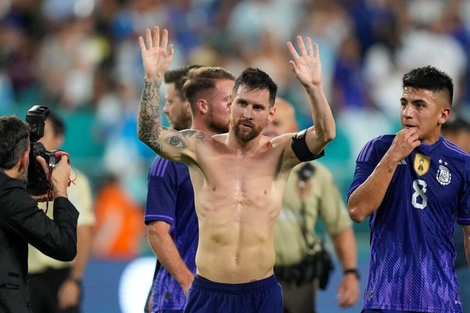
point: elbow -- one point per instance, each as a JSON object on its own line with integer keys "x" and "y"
{"x": 330, "y": 135}
{"x": 355, "y": 214}
{"x": 327, "y": 135}
{"x": 68, "y": 254}
{"x": 143, "y": 136}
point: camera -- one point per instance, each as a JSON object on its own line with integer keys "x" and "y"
{"x": 38, "y": 184}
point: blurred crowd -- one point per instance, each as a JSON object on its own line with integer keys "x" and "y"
{"x": 83, "y": 55}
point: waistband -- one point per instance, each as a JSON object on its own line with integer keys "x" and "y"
{"x": 255, "y": 286}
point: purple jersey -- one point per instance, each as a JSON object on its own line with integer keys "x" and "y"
{"x": 412, "y": 251}
{"x": 170, "y": 198}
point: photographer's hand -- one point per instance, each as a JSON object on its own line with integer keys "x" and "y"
{"x": 59, "y": 176}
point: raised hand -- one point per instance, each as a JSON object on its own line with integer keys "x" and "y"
{"x": 156, "y": 53}
{"x": 307, "y": 65}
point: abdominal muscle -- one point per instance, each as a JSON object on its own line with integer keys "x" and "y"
{"x": 236, "y": 229}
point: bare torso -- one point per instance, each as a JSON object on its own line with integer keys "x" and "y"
{"x": 238, "y": 200}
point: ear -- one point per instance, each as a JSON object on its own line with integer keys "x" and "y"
{"x": 202, "y": 106}
{"x": 23, "y": 162}
{"x": 272, "y": 111}
{"x": 229, "y": 104}
{"x": 445, "y": 115}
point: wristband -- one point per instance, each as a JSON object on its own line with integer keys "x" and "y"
{"x": 354, "y": 271}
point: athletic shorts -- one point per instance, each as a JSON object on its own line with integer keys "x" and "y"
{"x": 262, "y": 296}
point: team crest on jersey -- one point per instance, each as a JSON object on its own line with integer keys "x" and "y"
{"x": 421, "y": 164}
{"x": 443, "y": 175}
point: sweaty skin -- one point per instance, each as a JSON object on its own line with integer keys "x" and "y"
{"x": 238, "y": 182}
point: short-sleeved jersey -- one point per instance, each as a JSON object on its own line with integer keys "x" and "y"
{"x": 412, "y": 252}
{"x": 170, "y": 199}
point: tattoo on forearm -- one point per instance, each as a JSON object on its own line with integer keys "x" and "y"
{"x": 149, "y": 115}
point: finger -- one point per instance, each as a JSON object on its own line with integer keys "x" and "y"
{"x": 148, "y": 38}
{"x": 171, "y": 50}
{"x": 301, "y": 44}
{"x": 156, "y": 36}
{"x": 64, "y": 158}
{"x": 164, "y": 42}
{"x": 293, "y": 66}
{"x": 316, "y": 50}
{"x": 292, "y": 50}
{"x": 309, "y": 47}
{"x": 43, "y": 163}
{"x": 141, "y": 43}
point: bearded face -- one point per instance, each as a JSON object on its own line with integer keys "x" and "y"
{"x": 246, "y": 130}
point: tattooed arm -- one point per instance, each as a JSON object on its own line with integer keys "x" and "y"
{"x": 157, "y": 56}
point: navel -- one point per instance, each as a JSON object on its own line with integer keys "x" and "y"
{"x": 265, "y": 192}
{"x": 214, "y": 188}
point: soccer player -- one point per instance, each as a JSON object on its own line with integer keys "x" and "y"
{"x": 412, "y": 185}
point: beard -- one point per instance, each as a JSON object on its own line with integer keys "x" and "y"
{"x": 181, "y": 123}
{"x": 217, "y": 125}
{"x": 244, "y": 135}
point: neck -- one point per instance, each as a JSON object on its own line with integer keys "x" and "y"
{"x": 242, "y": 148}
{"x": 12, "y": 172}
{"x": 200, "y": 125}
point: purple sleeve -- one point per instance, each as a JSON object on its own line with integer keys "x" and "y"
{"x": 161, "y": 193}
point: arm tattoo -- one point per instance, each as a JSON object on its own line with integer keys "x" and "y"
{"x": 199, "y": 134}
{"x": 149, "y": 126}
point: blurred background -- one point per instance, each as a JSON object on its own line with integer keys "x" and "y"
{"x": 81, "y": 58}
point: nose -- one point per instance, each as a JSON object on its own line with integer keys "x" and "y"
{"x": 247, "y": 112}
{"x": 407, "y": 110}
{"x": 165, "y": 108}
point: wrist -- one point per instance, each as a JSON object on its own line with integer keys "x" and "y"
{"x": 352, "y": 271}
{"x": 75, "y": 280}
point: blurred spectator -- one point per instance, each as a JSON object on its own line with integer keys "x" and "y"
{"x": 119, "y": 227}
{"x": 67, "y": 61}
{"x": 403, "y": 44}
{"x": 56, "y": 286}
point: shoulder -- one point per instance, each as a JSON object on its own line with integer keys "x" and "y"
{"x": 378, "y": 145}
{"x": 161, "y": 166}
{"x": 282, "y": 139}
{"x": 454, "y": 149}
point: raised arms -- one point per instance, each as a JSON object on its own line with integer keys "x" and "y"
{"x": 157, "y": 55}
{"x": 307, "y": 69}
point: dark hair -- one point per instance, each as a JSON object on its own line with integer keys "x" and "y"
{"x": 256, "y": 79}
{"x": 178, "y": 77}
{"x": 14, "y": 140}
{"x": 455, "y": 125}
{"x": 58, "y": 125}
{"x": 203, "y": 79}
{"x": 429, "y": 78}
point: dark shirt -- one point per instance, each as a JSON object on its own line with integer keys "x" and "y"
{"x": 22, "y": 222}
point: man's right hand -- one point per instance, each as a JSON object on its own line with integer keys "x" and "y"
{"x": 403, "y": 144}
{"x": 156, "y": 53}
{"x": 60, "y": 175}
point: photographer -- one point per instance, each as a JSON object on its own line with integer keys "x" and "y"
{"x": 22, "y": 222}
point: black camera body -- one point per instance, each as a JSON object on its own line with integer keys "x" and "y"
{"x": 38, "y": 184}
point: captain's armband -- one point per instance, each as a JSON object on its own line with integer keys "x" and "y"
{"x": 300, "y": 148}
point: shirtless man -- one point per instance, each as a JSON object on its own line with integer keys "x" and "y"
{"x": 238, "y": 177}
